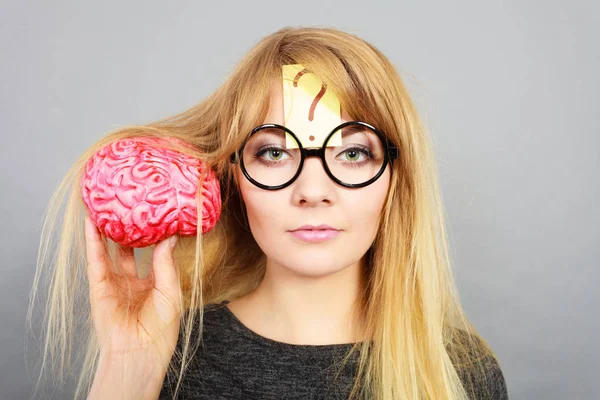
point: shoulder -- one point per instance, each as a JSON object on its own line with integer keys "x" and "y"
{"x": 485, "y": 380}
{"x": 477, "y": 366}
{"x": 210, "y": 312}
{"x": 209, "y": 321}
{"x": 206, "y": 373}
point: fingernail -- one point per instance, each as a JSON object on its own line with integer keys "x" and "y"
{"x": 173, "y": 241}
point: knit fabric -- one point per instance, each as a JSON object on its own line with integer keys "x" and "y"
{"x": 234, "y": 362}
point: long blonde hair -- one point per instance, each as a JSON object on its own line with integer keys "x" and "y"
{"x": 420, "y": 343}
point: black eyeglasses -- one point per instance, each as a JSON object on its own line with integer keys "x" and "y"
{"x": 354, "y": 155}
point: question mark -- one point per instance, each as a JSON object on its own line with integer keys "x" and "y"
{"x": 311, "y": 112}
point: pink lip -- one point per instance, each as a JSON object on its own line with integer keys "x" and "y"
{"x": 315, "y": 234}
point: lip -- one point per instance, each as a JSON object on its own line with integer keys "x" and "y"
{"x": 315, "y": 234}
{"x": 317, "y": 227}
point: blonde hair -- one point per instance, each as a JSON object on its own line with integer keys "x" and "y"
{"x": 419, "y": 342}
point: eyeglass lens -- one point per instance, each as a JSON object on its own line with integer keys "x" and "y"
{"x": 354, "y": 154}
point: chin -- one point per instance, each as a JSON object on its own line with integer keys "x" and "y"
{"x": 313, "y": 272}
{"x": 314, "y": 265}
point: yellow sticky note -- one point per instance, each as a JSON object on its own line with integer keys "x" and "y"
{"x": 310, "y": 110}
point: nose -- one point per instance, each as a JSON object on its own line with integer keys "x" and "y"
{"x": 313, "y": 187}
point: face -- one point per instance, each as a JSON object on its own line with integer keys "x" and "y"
{"x": 312, "y": 199}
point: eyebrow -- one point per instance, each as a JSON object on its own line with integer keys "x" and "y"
{"x": 274, "y": 131}
{"x": 352, "y": 130}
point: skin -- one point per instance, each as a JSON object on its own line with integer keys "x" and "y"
{"x": 309, "y": 289}
{"x": 305, "y": 297}
{"x": 125, "y": 334}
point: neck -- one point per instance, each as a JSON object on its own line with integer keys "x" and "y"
{"x": 305, "y": 310}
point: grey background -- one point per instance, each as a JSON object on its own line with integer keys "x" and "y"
{"x": 509, "y": 91}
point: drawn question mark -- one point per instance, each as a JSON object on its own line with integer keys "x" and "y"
{"x": 319, "y": 96}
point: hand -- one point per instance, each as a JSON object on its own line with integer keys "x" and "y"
{"x": 133, "y": 316}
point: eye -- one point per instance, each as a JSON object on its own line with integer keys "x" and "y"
{"x": 354, "y": 154}
{"x": 275, "y": 154}
{"x": 272, "y": 154}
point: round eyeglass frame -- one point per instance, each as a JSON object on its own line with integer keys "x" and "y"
{"x": 389, "y": 155}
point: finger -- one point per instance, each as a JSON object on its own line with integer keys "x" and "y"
{"x": 97, "y": 258}
{"x": 166, "y": 280}
{"x": 127, "y": 261}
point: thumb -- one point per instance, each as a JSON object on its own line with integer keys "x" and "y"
{"x": 166, "y": 279}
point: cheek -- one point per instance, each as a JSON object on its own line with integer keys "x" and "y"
{"x": 266, "y": 215}
{"x": 369, "y": 200}
{"x": 364, "y": 209}
{"x": 263, "y": 208}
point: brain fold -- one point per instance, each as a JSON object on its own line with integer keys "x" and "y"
{"x": 138, "y": 192}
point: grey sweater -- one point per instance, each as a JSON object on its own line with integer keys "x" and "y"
{"x": 234, "y": 362}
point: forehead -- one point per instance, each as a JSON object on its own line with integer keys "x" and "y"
{"x": 275, "y": 114}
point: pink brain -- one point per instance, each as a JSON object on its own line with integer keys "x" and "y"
{"x": 138, "y": 193}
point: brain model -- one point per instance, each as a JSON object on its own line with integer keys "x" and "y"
{"x": 138, "y": 193}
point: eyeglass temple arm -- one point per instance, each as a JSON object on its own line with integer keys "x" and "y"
{"x": 392, "y": 151}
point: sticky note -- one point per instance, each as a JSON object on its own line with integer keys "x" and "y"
{"x": 311, "y": 111}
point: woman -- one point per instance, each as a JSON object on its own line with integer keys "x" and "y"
{"x": 323, "y": 278}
